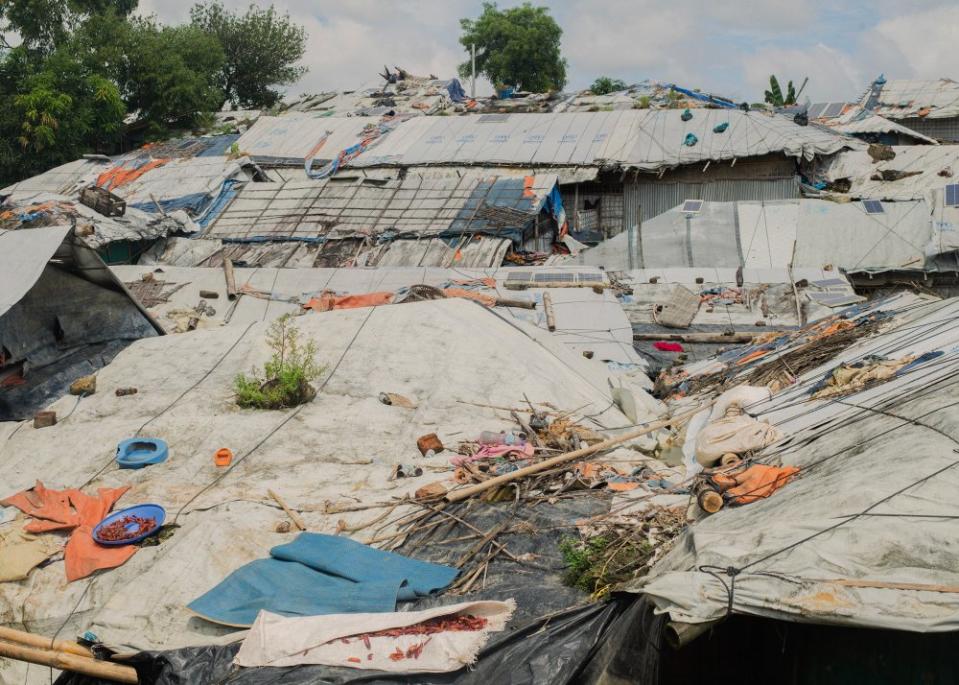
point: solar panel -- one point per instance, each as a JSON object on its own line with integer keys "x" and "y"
{"x": 692, "y": 206}
{"x": 952, "y": 195}
{"x": 833, "y": 110}
{"x": 872, "y": 206}
{"x": 816, "y": 109}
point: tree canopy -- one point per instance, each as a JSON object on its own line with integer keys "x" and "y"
{"x": 85, "y": 69}
{"x": 518, "y": 47}
{"x": 261, "y": 49}
{"x": 604, "y": 85}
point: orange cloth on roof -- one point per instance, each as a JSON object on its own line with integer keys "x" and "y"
{"x": 754, "y": 483}
{"x": 73, "y": 509}
{"x": 328, "y": 301}
{"x": 121, "y": 175}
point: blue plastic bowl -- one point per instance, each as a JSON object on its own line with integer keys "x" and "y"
{"x": 135, "y": 453}
{"x": 154, "y": 511}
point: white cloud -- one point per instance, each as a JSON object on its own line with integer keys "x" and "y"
{"x": 730, "y": 48}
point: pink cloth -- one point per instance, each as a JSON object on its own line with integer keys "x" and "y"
{"x": 493, "y": 451}
{"x": 664, "y": 346}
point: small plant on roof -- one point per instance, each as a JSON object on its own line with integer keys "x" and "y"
{"x": 285, "y": 380}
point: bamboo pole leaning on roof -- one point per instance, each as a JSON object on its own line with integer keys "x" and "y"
{"x": 463, "y": 493}
{"x": 41, "y": 642}
{"x": 70, "y": 662}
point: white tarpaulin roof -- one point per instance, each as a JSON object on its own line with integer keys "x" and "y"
{"x": 445, "y": 356}
{"x": 938, "y": 165}
{"x": 904, "y": 98}
{"x": 23, "y": 256}
{"x": 779, "y": 233}
{"x": 873, "y": 503}
{"x": 642, "y": 139}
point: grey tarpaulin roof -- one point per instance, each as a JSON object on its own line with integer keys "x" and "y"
{"x": 648, "y": 140}
{"x": 780, "y": 233}
{"x": 867, "y": 122}
{"x": 904, "y": 98}
{"x": 873, "y": 502}
{"x": 23, "y": 256}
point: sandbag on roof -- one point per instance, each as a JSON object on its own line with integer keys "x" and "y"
{"x": 446, "y": 356}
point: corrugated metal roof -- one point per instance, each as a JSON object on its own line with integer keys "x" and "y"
{"x": 902, "y": 98}
{"x": 414, "y": 205}
{"x": 647, "y": 140}
{"x": 66, "y": 179}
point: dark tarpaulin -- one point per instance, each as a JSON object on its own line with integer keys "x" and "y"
{"x": 557, "y": 636}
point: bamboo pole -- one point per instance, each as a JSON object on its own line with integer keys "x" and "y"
{"x": 715, "y": 338}
{"x": 463, "y": 493}
{"x": 297, "y": 521}
{"x": 550, "y": 315}
{"x": 41, "y": 642}
{"x": 70, "y": 662}
{"x": 230, "y": 279}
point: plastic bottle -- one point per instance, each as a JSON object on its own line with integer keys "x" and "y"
{"x": 501, "y": 438}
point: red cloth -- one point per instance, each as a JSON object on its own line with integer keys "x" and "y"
{"x": 73, "y": 509}
{"x": 664, "y": 346}
{"x": 328, "y": 301}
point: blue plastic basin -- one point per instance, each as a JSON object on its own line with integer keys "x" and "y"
{"x": 154, "y": 511}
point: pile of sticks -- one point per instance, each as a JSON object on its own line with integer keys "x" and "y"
{"x": 63, "y": 655}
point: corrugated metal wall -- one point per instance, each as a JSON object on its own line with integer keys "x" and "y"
{"x": 656, "y": 198}
{"x": 941, "y": 129}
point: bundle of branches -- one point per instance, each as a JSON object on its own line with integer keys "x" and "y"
{"x": 814, "y": 353}
{"x": 618, "y": 551}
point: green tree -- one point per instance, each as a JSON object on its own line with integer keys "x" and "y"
{"x": 261, "y": 49}
{"x": 519, "y": 47}
{"x": 605, "y": 84}
{"x": 44, "y": 25}
{"x": 170, "y": 74}
{"x": 774, "y": 96}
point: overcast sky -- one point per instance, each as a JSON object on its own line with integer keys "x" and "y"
{"x": 729, "y": 48}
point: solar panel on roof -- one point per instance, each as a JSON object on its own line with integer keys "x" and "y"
{"x": 872, "y": 206}
{"x": 834, "y": 109}
{"x": 492, "y": 118}
{"x": 518, "y": 276}
{"x": 952, "y": 195}
{"x": 692, "y": 206}
{"x": 816, "y": 109}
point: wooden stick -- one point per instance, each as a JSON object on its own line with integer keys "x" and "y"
{"x": 469, "y": 491}
{"x": 715, "y": 338}
{"x": 886, "y": 585}
{"x": 550, "y": 314}
{"x": 230, "y": 279}
{"x": 70, "y": 662}
{"x": 519, "y": 304}
{"x": 41, "y": 642}
{"x": 514, "y": 285}
{"x": 297, "y": 521}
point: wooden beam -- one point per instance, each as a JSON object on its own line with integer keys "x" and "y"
{"x": 41, "y": 642}
{"x": 550, "y": 314}
{"x": 230, "y": 279}
{"x": 297, "y": 520}
{"x": 463, "y": 493}
{"x": 70, "y": 662}
{"x": 717, "y": 338}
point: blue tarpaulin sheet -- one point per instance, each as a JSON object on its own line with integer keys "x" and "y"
{"x": 320, "y": 574}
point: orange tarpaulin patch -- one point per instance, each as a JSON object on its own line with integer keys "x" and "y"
{"x": 121, "y": 175}
{"x": 73, "y": 509}
{"x": 488, "y": 300}
{"x": 528, "y": 186}
{"x": 755, "y": 483}
{"x": 328, "y": 301}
